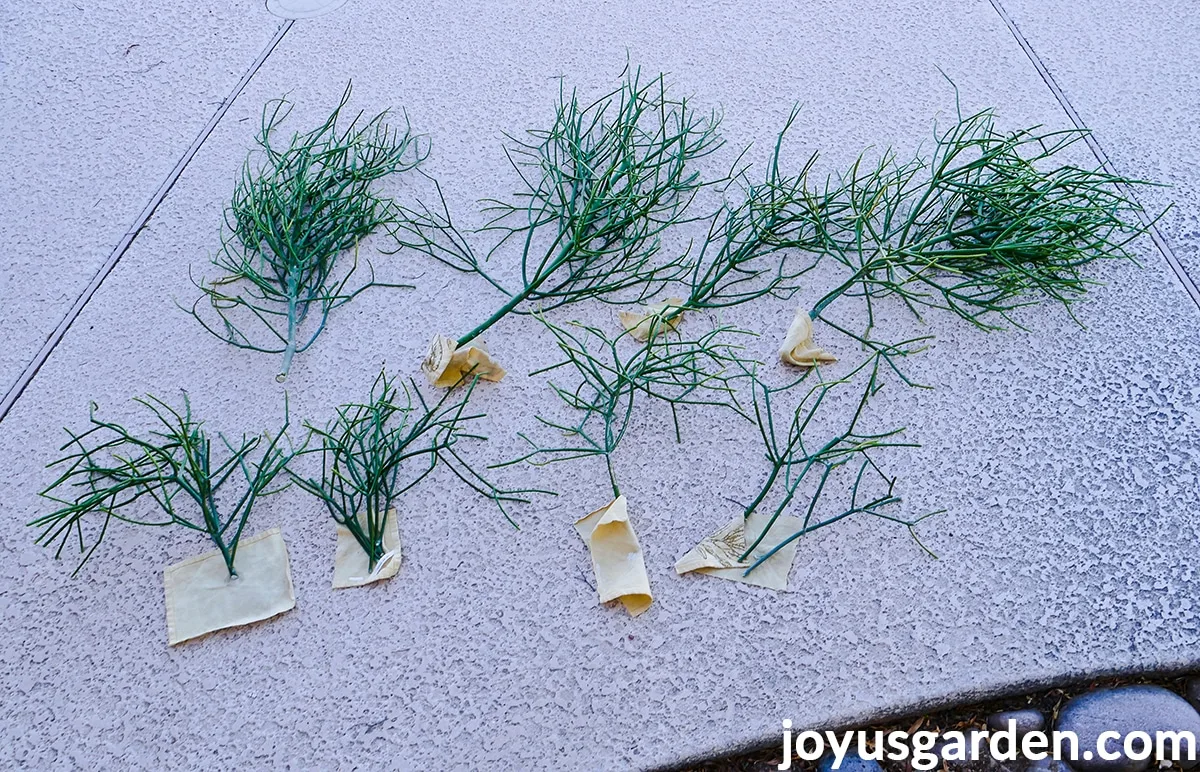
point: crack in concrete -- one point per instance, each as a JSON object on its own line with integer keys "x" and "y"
{"x": 142, "y": 220}
{"x": 1151, "y": 224}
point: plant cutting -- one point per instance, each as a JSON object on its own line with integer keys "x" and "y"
{"x": 299, "y": 209}
{"x": 810, "y": 454}
{"x": 176, "y": 469}
{"x": 760, "y": 244}
{"x": 991, "y": 222}
{"x": 598, "y": 189}
{"x": 375, "y": 452}
{"x": 611, "y": 378}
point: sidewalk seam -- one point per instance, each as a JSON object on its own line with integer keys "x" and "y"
{"x": 55, "y": 337}
{"x": 1181, "y": 274}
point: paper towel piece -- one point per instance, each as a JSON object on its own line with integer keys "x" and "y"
{"x": 651, "y": 317}
{"x": 616, "y": 556}
{"x": 446, "y": 364}
{"x": 202, "y": 597}
{"x": 798, "y": 347}
{"x": 352, "y": 567}
{"x": 717, "y": 555}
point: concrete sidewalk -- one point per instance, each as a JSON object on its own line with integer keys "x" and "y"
{"x": 100, "y": 101}
{"x": 1066, "y": 457}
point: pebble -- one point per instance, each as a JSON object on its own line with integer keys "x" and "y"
{"x": 985, "y": 761}
{"x": 1192, "y": 692}
{"x": 1028, "y": 720}
{"x": 851, "y": 763}
{"x": 1125, "y": 709}
{"x": 1048, "y": 765}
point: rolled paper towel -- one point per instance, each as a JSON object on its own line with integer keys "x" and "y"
{"x": 352, "y": 566}
{"x": 798, "y": 347}
{"x": 651, "y": 319}
{"x": 447, "y": 364}
{"x": 616, "y": 556}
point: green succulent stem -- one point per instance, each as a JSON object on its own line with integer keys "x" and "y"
{"x": 598, "y": 189}
{"x": 108, "y": 469}
{"x": 299, "y": 206}
{"x": 503, "y": 311}
{"x": 614, "y": 374}
{"x": 374, "y": 452}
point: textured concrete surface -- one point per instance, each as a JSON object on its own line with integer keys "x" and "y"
{"x": 1132, "y": 72}
{"x": 1065, "y": 456}
{"x": 98, "y": 101}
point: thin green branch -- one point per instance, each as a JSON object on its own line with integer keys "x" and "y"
{"x": 600, "y": 186}
{"x": 812, "y": 453}
{"x": 108, "y": 469}
{"x": 763, "y": 244}
{"x": 612, "y": 375}
{"x": 373, "y": 453}
{"x": 989, "y": 223}
{"x": 297, "y": 208}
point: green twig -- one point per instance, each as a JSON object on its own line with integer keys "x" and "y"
{"x": 809, "y": 453}
{"x": 373, "y": 453}
{"x": 295, "y": 211}
{"x": 108, "y": 468}
{"x": 612, "y": 376}
{"x": 599, "y": 187}
{"x": 989, "y": 223}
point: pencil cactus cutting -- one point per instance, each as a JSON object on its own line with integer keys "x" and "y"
{"x": 108, "y": 469}
{"x": 611, "y": 378}
{"x": 298, "y": 211}
{"x": 177, "y": 471}
{"x": 375, "y": 452}
{"x": 599, "y": 187}
{"x": 991, "y": 222}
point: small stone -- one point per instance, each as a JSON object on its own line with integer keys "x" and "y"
{"x": 1125, "y": 709}
{"x": 851, "y": 763}
{"x": 1048, "y": 765}
{"x": 1027, "y": 720}
{"x": 957, "y": 756}
{"x": 1192, "y": 692}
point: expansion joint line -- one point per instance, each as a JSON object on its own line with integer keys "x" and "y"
{"x": 1156, "y": 236}
{"x": 55, "y": 337}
